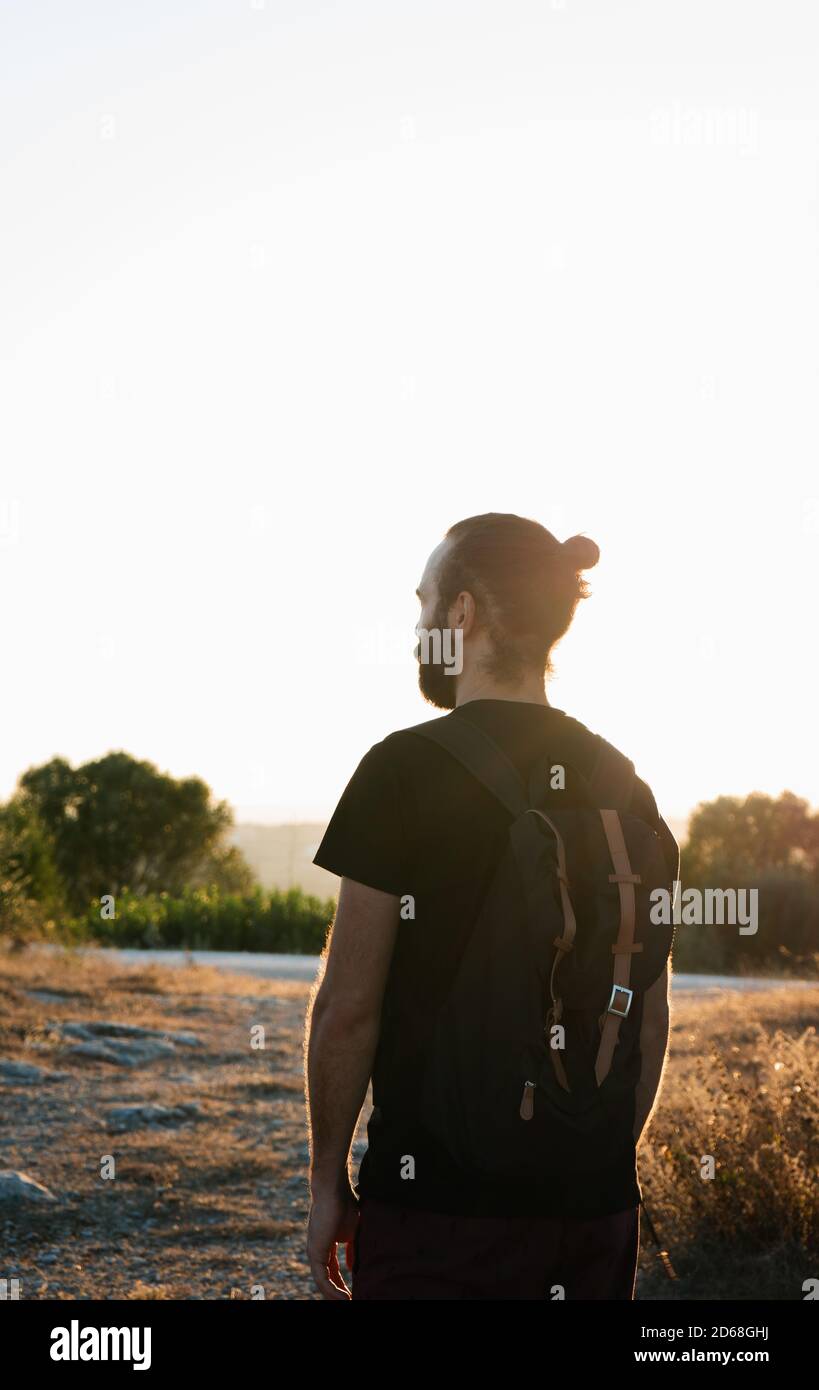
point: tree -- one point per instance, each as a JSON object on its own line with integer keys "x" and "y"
{"x": 24, "y": 859}
{"x": 119, "y": 823}
{"x": 28, "y": 854}
{"x": 226, "y": 869}
{"x": 768, "y": 844}
{"x": 735, "y": 839}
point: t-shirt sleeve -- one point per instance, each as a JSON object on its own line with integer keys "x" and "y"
{"x": 365, "y": 839}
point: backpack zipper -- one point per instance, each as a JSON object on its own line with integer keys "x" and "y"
{"x": 527, "y": 1103}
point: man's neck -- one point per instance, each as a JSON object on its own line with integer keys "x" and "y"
{"x": 529, "y": 692}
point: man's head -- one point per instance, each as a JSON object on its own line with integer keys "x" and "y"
{"x": 503, "y": 590}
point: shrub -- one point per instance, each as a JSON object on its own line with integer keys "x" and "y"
{"x": 207, "y": 919}
{"x": 746, "y": 1093}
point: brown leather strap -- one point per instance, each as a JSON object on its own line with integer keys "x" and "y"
{"x": 552, "y": 1018}
{"x": 563, "y": 944}
{"x": 623, "y": 947}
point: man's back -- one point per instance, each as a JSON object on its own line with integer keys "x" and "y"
{"x": 414, "y": 823}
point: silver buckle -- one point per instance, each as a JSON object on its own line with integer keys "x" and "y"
{"x": 620, "y": 989}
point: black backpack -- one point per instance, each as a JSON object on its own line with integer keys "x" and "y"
{"x": 541, "y": 1025}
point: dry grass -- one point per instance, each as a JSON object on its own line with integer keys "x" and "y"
{"x": 741, "y": 1085}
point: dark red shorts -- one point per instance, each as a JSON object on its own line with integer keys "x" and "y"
{"x": 399, "y": 1253}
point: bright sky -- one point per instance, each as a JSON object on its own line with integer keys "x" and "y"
{"x": 289, "y": 287}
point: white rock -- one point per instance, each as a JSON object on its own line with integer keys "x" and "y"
{"x": 119, "y": 1052}
{"x": 19, "y": 1187}
{"x": 87, "y": 1032}
{"x": 127, "y": 1117}
{"x": 26, "y": 1074}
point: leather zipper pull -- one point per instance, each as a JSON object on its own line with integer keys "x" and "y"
{"x": 527, "y": 1104}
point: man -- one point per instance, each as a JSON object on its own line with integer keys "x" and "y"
{"x": 416, "y": 840}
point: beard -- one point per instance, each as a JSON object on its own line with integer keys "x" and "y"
{"x": 437, "y": 688}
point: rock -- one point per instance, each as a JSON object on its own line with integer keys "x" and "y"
{"x": 121, "y": 1118}
{"x": 183, "y": 1038}
{"x": 123, "y": 1054}
{"x": 19, "y": 1187}
{"x": 26, "y": 1074}
{"x": 88, "y": 1032}
{"x": 53, "y": 996}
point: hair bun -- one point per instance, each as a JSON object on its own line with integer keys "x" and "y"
{"x": 582, "y": 552}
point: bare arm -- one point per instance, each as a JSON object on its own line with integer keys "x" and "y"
{"x": 653, "y": 1049}
{"x": 342, "y": 1036}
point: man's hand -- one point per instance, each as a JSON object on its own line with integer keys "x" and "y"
{"x": 333, "y": 1220}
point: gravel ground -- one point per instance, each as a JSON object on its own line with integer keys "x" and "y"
{"x": 208, "y": 1199}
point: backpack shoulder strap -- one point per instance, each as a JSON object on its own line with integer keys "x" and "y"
{"x": 612, "y": 783}
{"x": 613, "y": 778}
{"x": 481, "y": 756}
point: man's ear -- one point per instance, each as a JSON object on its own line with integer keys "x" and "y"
{"x": 463, "y": 613}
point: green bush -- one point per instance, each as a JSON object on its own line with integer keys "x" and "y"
{"x": 207, "y": 919}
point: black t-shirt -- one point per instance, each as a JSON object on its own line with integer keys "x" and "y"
{"x": 413, "y": 821}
